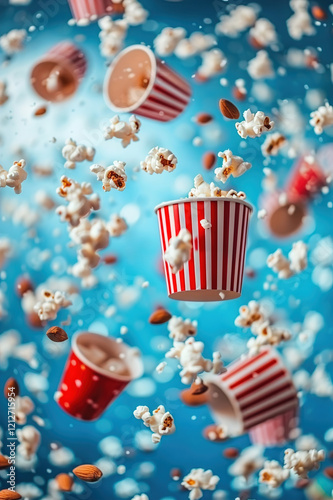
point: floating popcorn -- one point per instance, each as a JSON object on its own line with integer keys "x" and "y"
{"x": 298, "y": 257}
{"x": 74, "y": 153}
{"x": 204, "y": 190}
{"x": 166, "y": 42}
{"x": 3, "y": 94}
{"x": 296, "y": 263}
{"x": 254, "y": 124}
{"x": 195, "y": 44}
{"x": 117, "y": 225}
{"x": 300, "y": 23}
{"x": 273, "y": 474}
{"x": 263, "y": 33}
{"x": 239, "y": 19}
{"x": 112, "y": 177}
{"x": 79, "y": 205}
{"x": 122, "y": 130}
{"x": 273, "y": 143}
{"x": 12, "y": 41}
{"x": 180, "y": 329}
{"x": 280, "y": 264}
{"x": 249, "y": 461}
{"x": 250, "y": 316}
{"x": 51, "y": 303}
{"x": 266, "y": 335}
{"x": 260, "y": 66}
{"x": 5, "y": 248}
{"x": 112, "y": 35}
{"x": 232, "y": 165}
{"x": 82, "y": 269}
{"x": 189, "y": 354}
{"x": 322, "y": 118}
{"x": 29, "y": 438}
{"x": 269, "y": 182}
{"x": 141, "y": 497}
{"x": 24, "y": 406}
{"x": 179, "y": 250}
{"x": 158, "y": 160}
{"x": 302, "y": 462}
{"x": 213, "y": 63}
{"x": 134, "y": 13}
{"x": 198, "y": 480}
{"x": 160, "y": 422}
{"x": 92, "y": 236}
{"x": 14, "y": 177}
{"x": 44, "y": 200}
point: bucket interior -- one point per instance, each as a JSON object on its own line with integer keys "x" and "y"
{"x": 205, "y": 295}
{"x": 224, "y": 410}
{"x": 52, "y": 81}
{"x": 287, "y": 219}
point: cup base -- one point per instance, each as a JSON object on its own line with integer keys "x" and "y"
{"x": 204, "y": 295}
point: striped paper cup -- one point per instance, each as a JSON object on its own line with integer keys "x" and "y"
{"x": 320, "y": 488}
{"x": 57, "y": 75}
{"x": 252, "y": 391}
{"x": 277, "y": 431}
{"x": 137, "y": 81}
{"x": 283, "y": 220}
{"x": 93, "y": 9}
{"x": 216, "y": 264}
{"x": 306, "y": 180}
{"x": 97, "y": 371}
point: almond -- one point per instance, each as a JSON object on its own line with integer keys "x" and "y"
{"x": 65, "y": 482}
{"x": 110, "y": 259}
{"x": 11, "y": 386}
{"x": 89, "y": 473}
{"x": 239, "y": 94}
{"x": 40, "y": 111}
{"x": 228, "y": 109}
{"x": 23, "y": 285}
{"x": 4, "y": 464}
{"x": 328, "y": 471}
{"x": 189, "y": 399}
{"x": 34, "y": 320}
{"x": 159, "y": 317}
{"x": 199, "y": 389}
{"x": 318, "y": 13}
{"x": 231, "y": 453}
{"x": 203, "y": 118}
{"x": 57, "y": 334}
{"x": 9, "y": 495}
{"x": 208, "y": 160}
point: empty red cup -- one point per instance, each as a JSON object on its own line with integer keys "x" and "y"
{"x": 97, "y": 371}
{"x": 277, "y": 431}
{"x": 283, "y": 219}
{"x": 93, "y": 9}
{"x": 138, "y": 82}
{"x": 306, "y": 180}
{"x": 216, "y": 264}
{"x": 57, "y": 75}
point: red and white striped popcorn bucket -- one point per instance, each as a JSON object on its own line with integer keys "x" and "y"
{"x": 93, "y": 9}
{"x": 286, "y": 218}
{"x": 253, "y": 390}
{"x": 97, "y": 371}
{"x": 276, "y": 431}
{"x": 216, "y": 264}
{"x": 306, "y": 180}
{"x": 57, "y": 75}
{"x": 138, "y": 82}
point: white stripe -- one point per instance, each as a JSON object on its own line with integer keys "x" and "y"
{"x": 230, "y": 243}
{"x": 208, "y": 234}
{"x": 269, "y": 403}
{"x": 196, "y": 254}
{"x": 220, "y": 223}
{"x": 174, "y": 79}
{"x": 264, "y": 391}
{"x": 183, "y": 225}
{"x": 239, "y": 234}
{"x": 267, "y": 415}
{"x": 255, "y": 381}
{"x": 173, "y": 234}
{"x": 250, "y": 368}
{"x": 166, "y": 246}
{"x": 242, "y": 259}
{"x": 162, "y": 94}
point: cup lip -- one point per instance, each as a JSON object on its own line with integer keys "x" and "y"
{"x": 136, "y": 371}
{"x": 148, "y": 90}
{"x": 202, "y": 198}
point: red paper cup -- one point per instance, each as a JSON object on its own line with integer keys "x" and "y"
{"x": 277, "y": 431}
{"x": 307, "y": 180}
{"x": 93, "y": 9}
{"x": 137, "y": 82}
{"x": 57, "y": 75}
{"x": 217, "y": 258}
{"x": 284, "y": 220}
{"x": 252, "y": 391}
{"x": 97, "y": 371}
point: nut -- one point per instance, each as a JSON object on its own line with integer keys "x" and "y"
{"x": 89, "y": 473}
{"x": 65, "y": 482}
{"x": 208, "y": 160}
{"x": 40, "y": 111}
{"x": 318, "y": 13}
{"x": 9, "y": 495}
{"x": 11, "y": 386}
{"x": 23, "y": 285}
{"x": 4, "y": 464}
{"x": 159, "y": 317}
{"x": 203, "y": 118}
{"x": 228, "y": 109}
{"x": 199, "y": 389}
{"x": 231, "y": 453}
{"x": 57, "y": 334}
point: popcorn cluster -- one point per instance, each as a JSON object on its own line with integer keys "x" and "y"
{"x": 5, "y": 248}
{"x": 134, "y": 13}
{"x": 273, "y": 474}
{"x": 14, "y": 177}
{"x": 300, "y": 24}
{"x": 302, "y": 462}
{"x": 180, "y": 329}
{"x": 79, "y": 204}
{"x": 249, "y": 461}
{"x": 160, "y": 422}
{"x": 112, "y": 35}
{"x": 13, "y": 41}
{"x": 204, "y": 190}
{"x": 74, "y": 153}
{"x": 166, "y": 42}
{"x": 260, "y": 66}
{"x": 158, "y": 160}
{"x": 198, "y": 480}
{"x": 3, "y": 93}
{"x": 29, "y": 439}
{"x": 47, "y": 309}
{"x": 296, "y": 263}
{"x": 116, "y": 225}
{"x": 24, "y": 406}
{"x": 112, "y": 177}
{"x": 239, "y": 19}
{"x": 273, "y": 143}
{"x": 213, "y": 63}
{"x": 195, "y": 44}
{"x": 232, "y": 165}
{"x": 322, "y": 118}
{"x": 263, "y": 33}
{"x": 254, "y": 124}
{"x": 123, "y": 130}
{"x": 178, "y": 251}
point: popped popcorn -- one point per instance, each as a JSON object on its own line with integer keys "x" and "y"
{"x": 269, "y": 182}
{"x": 266, "y": 335}
{"x": 232, "y": 165}
{"x": 302, "y": 462}
{"x": 24, "y": 406}
{"x": 134, "y": 13}
{"x": 141, "y": 497}
{"x": 189, "y": 354}
{"x": 166, "y": 42}
{"x": 273, "y": 143}
{"x": 273, "y": 474}
{"x": 13, "y": 41}
{"x": 263, "y": 32}
{"x": 122, "y": 130}
{"x": 300, "y": 22}
{"x": 178, "y": 251}
{"x": 3, "y": 94}
{"x": 213, "y": 63}
{"x": 116, "y": 225}
{"x": 254, "y": 124}
{"x": 204, "y": 190}
{"x": 322, "y": 118}
{"x": 92, "y": 236}
{"x": 82, "y": 269}
{"x": 5, "y": 248}
{"x": 79, "y": 205}
{"x": 249, "y": 461}
{"x": 29, "y": 438}
{"x": 112, "y": 35}
{"x": 280, "y": 264}
{"x": 181, "y": 329}
{"x": 14, "y": 177}
{"x": 74, "y": 153}
{"x": 160, "y": 422}
{"x": 44, "y": 200}
{"x": 113, "y": 176}
{"x": 48, "y": 307}
{"x": 198, "y": 480}
{"x": 195, "y": 44}
{"x": 251, "y": 315}
{"x": 286, "y": 268}
{"x": 298, "y": 257}
{"x": 205, "y": 224}
{"x": 239, "y": 19}
{"x": 158, "y": 160}
{"x": 260, "y": 66}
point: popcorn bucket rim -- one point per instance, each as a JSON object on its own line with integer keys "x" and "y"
{"x": 136, "y": 369}
{"x": 194, "y": 199}
{"x": 148, "y": 90}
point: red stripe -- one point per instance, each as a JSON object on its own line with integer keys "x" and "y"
{"x": 234, "y": 247}
{"x": 164, "y": 102}
{"x": 174, "y": 79}
{"x": 169, "y": 235}
{"x": 251, "y": 376}
{"x": 159, "y": 213}
{"x": 153, "y": 115}
{"x": 173, "y": 94}
{"x": 275, "y": 406}
{"x": 178, "y": 228}
{"x": 201, "y": 243}
{"x": 213, "y": 230}
{"x": 268, "y": 380}
{"x": 226, "y": 214}
{"x": 244, "y": 250}
{"x": 237, "y": 366}
{"x": 243, "y": 237}
{"x": 266, "y": 397}
{"x": 188, "y": 222}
